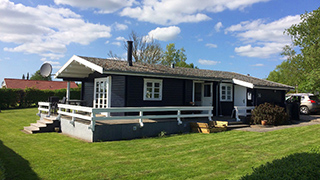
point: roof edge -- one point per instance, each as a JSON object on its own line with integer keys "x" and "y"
{"x": 82, "y": 61}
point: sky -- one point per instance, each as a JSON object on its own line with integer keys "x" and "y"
{"x": 242, "y": 36}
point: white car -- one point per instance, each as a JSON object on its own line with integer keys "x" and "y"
{"x": 309, "y": 102}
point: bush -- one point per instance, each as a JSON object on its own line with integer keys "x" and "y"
{"x": 275, "y": 115}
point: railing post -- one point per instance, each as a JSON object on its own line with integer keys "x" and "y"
{"x": 237, "y": 113}
{"x": 49, "y": 112}
{"x": 39, "y": 113}
{"x": 209, "y": 114}
{"x": 179, "y": 117}
{"x": 93, "y": 121}
{"x": 73, "y": 118}
{"x": 140, "y": 118}
{"x": 59, "y": 115}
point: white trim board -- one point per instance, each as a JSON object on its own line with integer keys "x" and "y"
{"x": 242, "y": 83}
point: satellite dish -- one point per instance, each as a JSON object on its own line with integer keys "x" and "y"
{"x": 45, "y": 70}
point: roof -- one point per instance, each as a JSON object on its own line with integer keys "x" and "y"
{"x": 42, "y": 85}
{"x": 109, "y": 66}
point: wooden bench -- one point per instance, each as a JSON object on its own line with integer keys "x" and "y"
{"x": 211, "y": 127}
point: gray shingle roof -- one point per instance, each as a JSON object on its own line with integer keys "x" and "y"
{"x": 161, "y": 70}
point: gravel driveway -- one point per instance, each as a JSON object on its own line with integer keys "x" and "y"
{"x": 305, "y": 120}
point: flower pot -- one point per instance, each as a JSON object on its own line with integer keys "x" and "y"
{"x": 264, "y": 122}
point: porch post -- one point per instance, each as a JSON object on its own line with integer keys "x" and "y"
{"x": 68, "y": 91}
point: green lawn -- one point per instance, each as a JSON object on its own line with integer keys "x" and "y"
{"x": 226, "y": 155}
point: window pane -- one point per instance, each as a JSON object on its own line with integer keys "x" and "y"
{"x": 156, "y": 96}
{"x": 156, "y": 90}
{"x": 148, "y": 95}
{"x": 149, "y": 84}
{"x": 223, "y": 97}
{"x": 156, "y": 84}
{"x": 223, "y": 88}
{"x": 207, "y": 91}
{"x": 229, "y": 88}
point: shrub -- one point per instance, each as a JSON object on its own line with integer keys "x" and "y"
{"x": 275, "y": 115}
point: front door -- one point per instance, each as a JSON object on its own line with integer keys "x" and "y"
{"x": 240, "y": 96}
{"x": 102, "y": 92}
{"x": 206, "y": 94}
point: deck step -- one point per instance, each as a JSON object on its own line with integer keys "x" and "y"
{"x": 47, "y": 124}
{"x": 31, "y": 129}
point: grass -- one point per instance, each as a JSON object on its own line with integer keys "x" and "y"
{"x": 226, "y": 155}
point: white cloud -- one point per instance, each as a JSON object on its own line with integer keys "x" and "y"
{"x": 261, "y": 39}
{"x": 119, "y": 27}
{"x": 208, "y": 62}
{"x": 172, "y": 12}
{"x": 116, "y": 43}
{"x": 210, "y": 45}
{"x": 261, "y": 52}
{"x": 105, "y": 6}
{"x": 45, "y": 30}
{"x": 258, "y": 65}
{"x": 120, "y": 38}
{"x": 218, "y": 26}
{"x": 164, "y": 34}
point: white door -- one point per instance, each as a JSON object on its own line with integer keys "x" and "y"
{"x": 240, "y": 96}
{"x": 206, "y": 94}
{"x": 102, "y": 90}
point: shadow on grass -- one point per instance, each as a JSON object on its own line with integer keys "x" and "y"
{"x": 295, "y": 166}
{"x": 15, "y": 167}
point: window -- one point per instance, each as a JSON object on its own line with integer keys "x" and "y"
{"x": 152, "y": 90}
{"x": 225, "y": 92}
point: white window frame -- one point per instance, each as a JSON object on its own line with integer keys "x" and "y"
{"x": 105, "y": 92}
{"x": 226, "y": 85}
{"x": 145, "y": 91}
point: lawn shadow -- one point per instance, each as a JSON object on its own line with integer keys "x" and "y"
{"x": 15, "y": 166}
{"x": 295, "y": 166}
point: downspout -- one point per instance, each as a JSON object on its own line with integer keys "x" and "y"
{"x": 217, "y": 99}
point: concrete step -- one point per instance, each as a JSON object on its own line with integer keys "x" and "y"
{"x": 237, "y": 126}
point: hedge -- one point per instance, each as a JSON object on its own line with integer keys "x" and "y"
{"x": 13, "y": 98}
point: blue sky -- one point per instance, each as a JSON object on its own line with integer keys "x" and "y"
{"x": 243, "y": 36}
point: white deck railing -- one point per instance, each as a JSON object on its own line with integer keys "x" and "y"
{"x": 44, "y": 106}
{"x": 241, "y": 111}
{"x": 99, "y": 114}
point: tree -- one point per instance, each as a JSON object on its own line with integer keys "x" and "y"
{"x": 37, "y": 76}
{"x": 302, "y": 68}
{"x": 174, "y": 56}
{"x": 145, "y": 50}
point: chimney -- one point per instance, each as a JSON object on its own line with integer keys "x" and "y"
{"x": 129, "y": 53}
